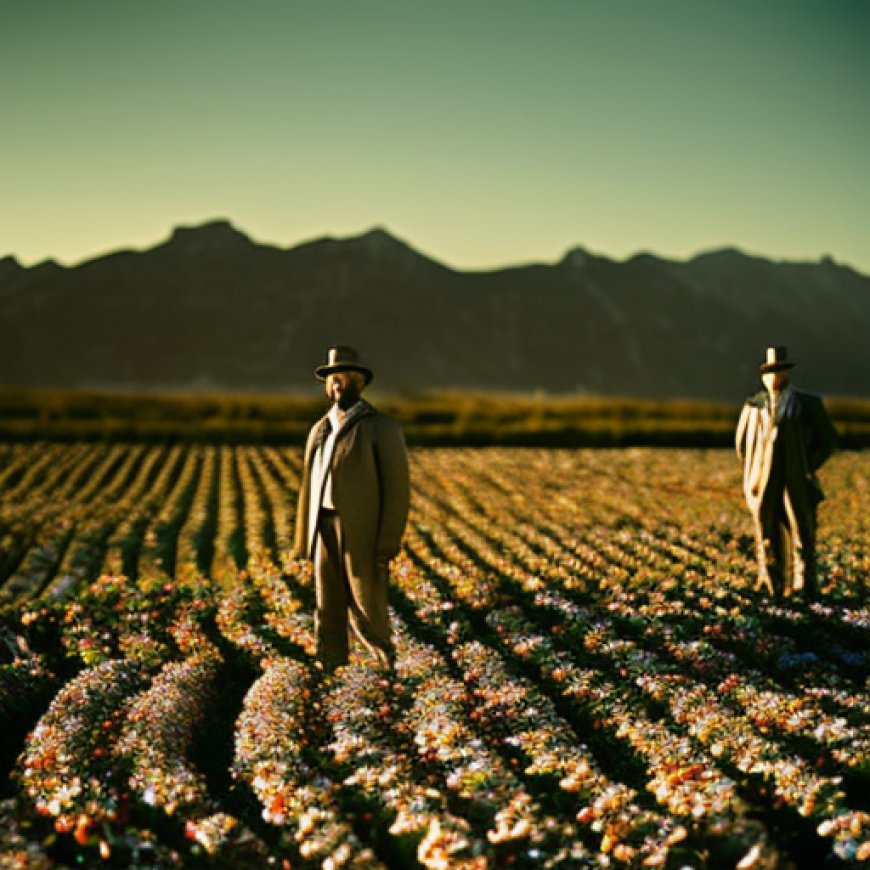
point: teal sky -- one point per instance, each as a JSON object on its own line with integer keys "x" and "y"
{"x": 483, "y": 133}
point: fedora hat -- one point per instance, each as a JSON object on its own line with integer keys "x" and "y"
{"x": 776, "y": 360}
{"x": 342, "y": 358}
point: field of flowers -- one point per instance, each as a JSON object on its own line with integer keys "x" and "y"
{"x": 586, "y": 675}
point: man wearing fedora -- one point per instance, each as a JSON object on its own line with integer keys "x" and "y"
{"x": 783, "y": 437}
{"x": 351, "y": 513}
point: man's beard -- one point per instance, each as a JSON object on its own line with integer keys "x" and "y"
{"x": 348, "y": 398}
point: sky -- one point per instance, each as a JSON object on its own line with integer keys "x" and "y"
{"x": 483, "y": 133}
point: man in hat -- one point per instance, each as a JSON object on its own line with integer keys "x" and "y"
{"x": 351, "y": 513}
{"x": 783, "y": 437}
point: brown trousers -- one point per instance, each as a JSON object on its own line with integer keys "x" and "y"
{"x": 785, "y": 543}
{"x": 351, "y": 594}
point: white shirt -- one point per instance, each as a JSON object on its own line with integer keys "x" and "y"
{"x": 325, "y": 457}
{"x": 321, "y": 471}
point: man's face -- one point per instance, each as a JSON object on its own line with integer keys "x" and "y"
{"x": 344, "y": 388}
{"x": 775, "y": 382}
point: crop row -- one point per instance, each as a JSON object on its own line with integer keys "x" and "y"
{"x": 586, "y": 674}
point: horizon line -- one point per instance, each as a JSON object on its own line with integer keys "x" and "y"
{"x": 380, "y": 228}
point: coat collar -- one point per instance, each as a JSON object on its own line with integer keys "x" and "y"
{"x": 361, "y": 409}
{"x": 762, "y": 398}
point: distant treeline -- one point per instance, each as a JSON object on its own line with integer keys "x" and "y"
{"x": 434, "y": 418}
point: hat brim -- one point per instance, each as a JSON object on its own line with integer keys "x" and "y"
{"x": 323, "y": 372}
{"x": 776, "y": 367}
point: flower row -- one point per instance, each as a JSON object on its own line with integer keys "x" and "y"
{"x": 271, "y": 756}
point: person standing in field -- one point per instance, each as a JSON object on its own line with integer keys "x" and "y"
{"x": 351, "y": 513}
{"x": 784, "y": 435}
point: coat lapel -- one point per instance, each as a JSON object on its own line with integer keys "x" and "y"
{"x": 786, "y": 405}
{"x": 361, "y": 409}
{"x": 322, "y": 434}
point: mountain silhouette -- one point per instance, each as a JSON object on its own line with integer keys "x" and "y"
{"x": 211, "y": 309}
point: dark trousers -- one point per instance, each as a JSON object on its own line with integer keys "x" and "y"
{"x": 351, "y": 595}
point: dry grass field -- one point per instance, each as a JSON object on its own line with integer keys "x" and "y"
{"x": 431, "y": 419}
{"x": 586, "y": 675}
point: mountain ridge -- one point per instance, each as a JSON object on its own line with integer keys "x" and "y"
{"x": 377, "y": 231}
{"x": 210, "y": 308}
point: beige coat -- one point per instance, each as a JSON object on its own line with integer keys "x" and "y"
{"x": 370, "y": 486}
{"x": 808, "y": 437}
